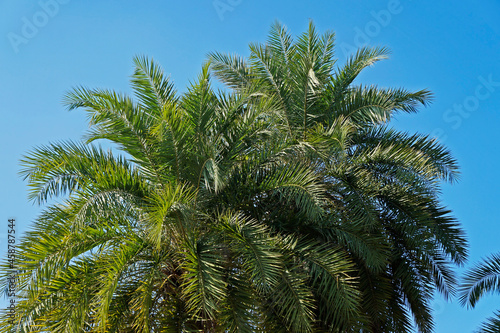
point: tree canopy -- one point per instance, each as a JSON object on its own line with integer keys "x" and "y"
{"x": 284, "y": 203}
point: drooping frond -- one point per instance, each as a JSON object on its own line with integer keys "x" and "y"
{"x": 230, "y": 69}
{"x": 68, "y": 167}
{"x": 481, "y": 279}
{"x": 492, "y": 324}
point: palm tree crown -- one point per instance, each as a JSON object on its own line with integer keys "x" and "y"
{"x": 284, "y": 204}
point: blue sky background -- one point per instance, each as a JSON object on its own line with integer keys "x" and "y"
{"x": 451, "y": 48}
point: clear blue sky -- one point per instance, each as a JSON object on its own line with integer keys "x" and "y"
{"x": 452, "y": 48}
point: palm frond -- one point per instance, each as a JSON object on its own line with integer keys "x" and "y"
{"x": 491, "y": 325}
{"x": 483, "y": 278}
{"x": 151, "y": 86}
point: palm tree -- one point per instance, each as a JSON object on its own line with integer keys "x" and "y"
{"x": 285, "y": 204}
{"x": 380, "y": 186}
{"x": 479, "y": 280}
{"x": 148, "y": 240}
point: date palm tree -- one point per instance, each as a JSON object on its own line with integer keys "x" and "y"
{"x": 482, "y": 279}
{"x": 285, "y": 204}
{"x": 380, "y": 186}
{"x": 148, "y": 237}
